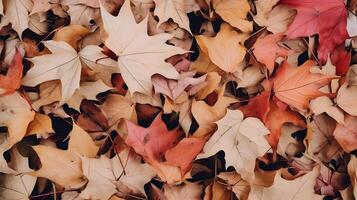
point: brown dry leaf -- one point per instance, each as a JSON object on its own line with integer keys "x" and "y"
{"x": 15, "y": 114}
{"x": 117, "y": 107}
{"x": 234, "y": 181}
{"x": 64, "y": 167}
{"x": 319, "y": 141}
{"x": 104, "y": 174}
{"x": 16, "y": 186}
{"x": 71, "y": 35}
{"x": 206, "y": 115}
{"x": 347, "y": 95}
{"x": 41, "y": 126}
{"x": 176, "y": 10}
{"x": 301, "y": 188}
{"x": 226, "y": 49}
{"x": 241, "y": 140}
{"x": 234, "y": 12}
{"x": 87, "y": 90}
{"x": 346, "y": 135}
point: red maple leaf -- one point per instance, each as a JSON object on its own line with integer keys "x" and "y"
{"x": 327, "y": 18}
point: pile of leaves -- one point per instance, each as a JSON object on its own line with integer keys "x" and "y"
{"x": 178, "y": 99}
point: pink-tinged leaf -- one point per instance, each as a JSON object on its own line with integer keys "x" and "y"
{"x": 184, "y": 153}
{"x": 266, "y": 50}
{"x": 173, "y": 88}
{"x": 151, "y": 142}
{"x": 328, "y": 19}
{"x": 346, "y": 135}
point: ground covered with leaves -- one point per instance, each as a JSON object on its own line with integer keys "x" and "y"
{"x": 178, "y": 99}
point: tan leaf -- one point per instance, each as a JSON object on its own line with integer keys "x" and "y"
{"x": 16, "y": 187}
{"x": 301, "y": 188}
{"x": 176, "y": 10}
{"x": 87, "y": 90}
{"x": 226, "y": 49}
{"x": 17, "y": 13}
{"x": 117, "y": 107}
{"x": 102, "y": 174}
{"x": 63, "y": 64}
{"x": 206, "y": 115}
{"x": 139, "y": 55}
{"x": 64, "y": 167}
{"x": 234, "y": 12}
{"x": 15, "y": 114}
{"x": 241, "y": 140}
{"x": 41, "y": 126}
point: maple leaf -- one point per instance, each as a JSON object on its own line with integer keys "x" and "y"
{"x": 176, "y": 10}
{"x": 159, "y": 147}
{"x": 241, "y": 140}
{"x": 234, "y": 12}
{"x": 274, "y": 117}
{"x": 151, "y": 142}
{"x": 103, "y": 173}
{"x": 12, "y": 80}
{"x": 173, "y": 88}
{"x": 15, "y": 114}
{"x": 16, "y": 186}
{"x": 139, "y": 55}
{"x": 327, "y": 19}
{"x": 64, "y": 64}
{"x": 64, "y": 166}
{"x": 17, "y": 13}
{"x": 346, "y": 135}
{"x": 296, "y": 86}
{"x": 41, "y": 126}
{"x": 320, "y": 141}
{"x": 266, "y": 50}
{"x": 299, "y": 189}
{"x": 226, "y": 49}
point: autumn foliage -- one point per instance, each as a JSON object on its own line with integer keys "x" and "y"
{"x": 178, "y": 99}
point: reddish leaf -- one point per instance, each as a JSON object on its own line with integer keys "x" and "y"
{"x": 273, "y": 116}
{"x": 328, "y": 19}
{"x": 341, "y": 59}
{"x": 12, "y": 80}
{"x": 296, "y": 86}
{"x": 266, "y": 50}
{"x": 151, "y": 142}
{"x": 184, "y": 152}
{"x": 346, "y": 135}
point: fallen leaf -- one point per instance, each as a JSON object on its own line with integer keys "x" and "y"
{"x": 234, "y": 12}
{"x": 189, "y": 191}
{"x": 103, "y": 173}
{"x": 296, "y": 86}
{"x": 299, "y": 189}
{"x": 176, "y": 10}
{"x": 266, "y": 50}
{"x": 234, "y": 137}
{"x": 346, "y": 135}
{"x": 310, "y": 20}
{"x": 139, "y": 55}
{"x": 50, "y": 67}
{"x": 16, "y": 186}
{"x": 226, "y": 49}
{"x": 12, "y": 81}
